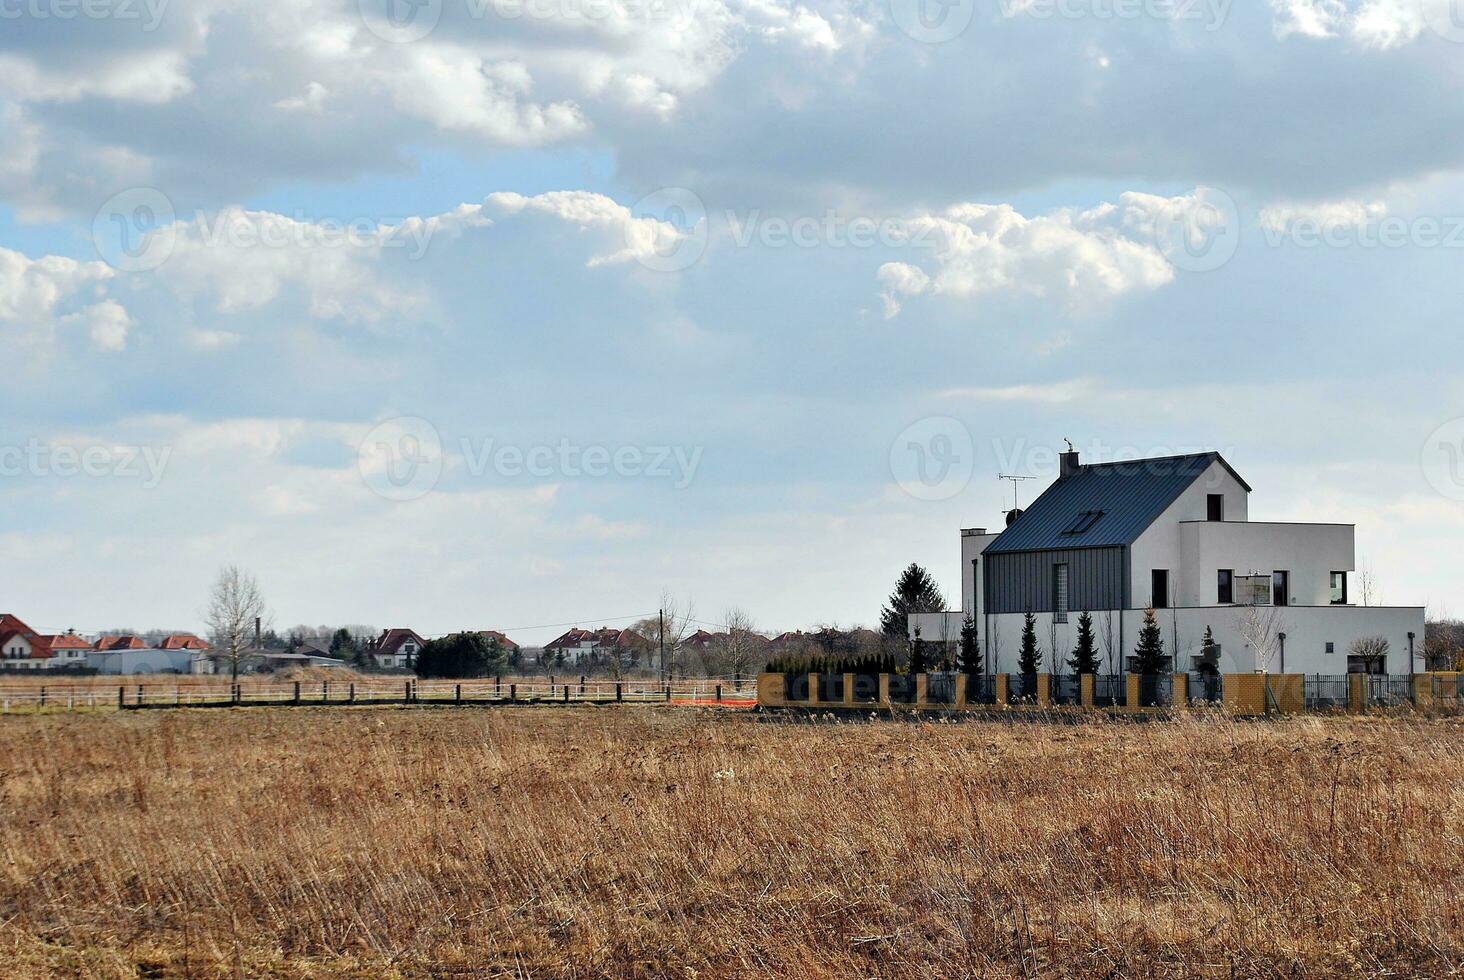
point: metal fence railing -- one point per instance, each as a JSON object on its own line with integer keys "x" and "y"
{"x": 1067, "y": 689}
{"x": 1323, "y": 692}
{"x": 1110, "y": 690}
{"x": 981, "y": 689}
{"x": 1389, "y": 689}
{"x": 940, "y": 688}
{"x": 1022, "y": 689}
{"x": 1206, "y": 688}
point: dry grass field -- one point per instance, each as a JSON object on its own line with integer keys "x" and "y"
{"x": 548, "y": 842}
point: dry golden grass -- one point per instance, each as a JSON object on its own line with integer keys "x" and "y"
{"x": 673, "y": 842}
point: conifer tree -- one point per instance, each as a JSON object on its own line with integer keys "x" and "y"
{"x": 1085, "y": 655}
{"x": 970, "y": 647}
{"x": 1149, "y": 654}
{"x": 1030, "y": 658}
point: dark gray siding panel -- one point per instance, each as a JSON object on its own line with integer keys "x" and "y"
{"x": 1022, "y": 581}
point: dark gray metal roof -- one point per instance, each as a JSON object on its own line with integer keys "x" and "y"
{"x": 1130, "y": 495}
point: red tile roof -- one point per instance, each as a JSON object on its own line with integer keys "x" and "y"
{"x": 119, "y": 643}
{"x": 390, "y": 640}
{"x": 496, "y": 635}
{"x": 182, "y": 641}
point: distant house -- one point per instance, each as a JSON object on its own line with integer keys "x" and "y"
{"x": 183, "y": 641}
{"x": 112, "y": 643}
{"x": 271, "y": 660}
{"x": 395, "y": 649}
{"x": 22, "y": 648}
{"x": 503, "y": 641}
{"x": 593, "y": 646}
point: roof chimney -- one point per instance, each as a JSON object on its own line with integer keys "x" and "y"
{"x": 1067, "y": 463}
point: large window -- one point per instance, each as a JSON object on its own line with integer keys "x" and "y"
{"x": 1280, "y": 588}
{"x": 1215, "y": 507}
{"x": 1159, "y": 588}
{"x": 1060, "y": 593}
{"x": 1225, "y": 586}
{"x": 1339, "y": 588}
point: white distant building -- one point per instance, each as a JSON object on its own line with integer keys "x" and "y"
{"x": 1172, "y": 534}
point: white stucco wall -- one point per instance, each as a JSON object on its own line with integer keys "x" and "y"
{"x": 1159, "y": 545}
{"x": 972, "y": 545}
{"x": 1308, "y": 552}
{"x": 1308, "y": 629}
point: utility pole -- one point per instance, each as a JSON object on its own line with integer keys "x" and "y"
{"x": 661, "y": 633}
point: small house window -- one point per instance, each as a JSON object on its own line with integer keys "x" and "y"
{"x": 1280, "y": 588}
{"x": 1331, "y": 647}
{"x": 1159, "y": 591}
{"x": 1060, "y": 593}
{"x": 1339, "y": 588}
{"x": 1215, "y": 507}
{"x": 1225, "y": 586}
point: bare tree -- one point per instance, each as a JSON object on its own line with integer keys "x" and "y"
{"x": 233, "y": 607}
{"x": 666, "y": 631}
{"x": 743, "y": 647}
{"x": 993, "y": 646}
{"x": 1106, "y": 637}
{"x": 1367, "y": 583}
{"x": 1373, "y": 651}
{"x": 1261, "y": 628}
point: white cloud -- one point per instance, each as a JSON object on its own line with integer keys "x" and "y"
{"x": 1081, "y": 258}
{"x": 1054, "y": 393}
{"x": 106, "y": 323}
{"x": 1281, "y": 216}
{"x": 1372, "y": 24}
{"x": 630, "y": 238}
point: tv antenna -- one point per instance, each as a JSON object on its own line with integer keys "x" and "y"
{"x": 1016, "y": 482}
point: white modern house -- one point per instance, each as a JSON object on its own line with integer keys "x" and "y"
{"x": 1173, "y": 534}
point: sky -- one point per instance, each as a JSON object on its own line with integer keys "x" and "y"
{"x": 468, "y": 314}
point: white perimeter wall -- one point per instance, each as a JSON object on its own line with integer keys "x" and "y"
{"x": 1307, "y": 629}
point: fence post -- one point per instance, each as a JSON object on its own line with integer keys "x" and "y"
{"x": 668, "y": 693}
{"x": 407, "y": 693}
{"x": 139, "y": 694}
{"x": 513, "y": 692}
{"x": 1003, "y": 688}
{"x": 325, "y": 690}
{"x": 582, "y": 685}
{"x": 618, "y": 695}
{"x": 457, "y": 694}
{"x": 719, "y": 691}
{"x": 498, "y": 687}
{"x": 42, "y": 702}
{"x": 297, "y": 692}
{"x": 566, "y": 693}
{"x": 121, "y": 696}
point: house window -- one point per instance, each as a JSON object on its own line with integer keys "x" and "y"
{"x": 1060, "y": 593}
{"x": 1083, "y": 522}
{"x": 1225, "y": 586}
{"x": 1280, "y": 588}
{"x": 1339, "y": 588}
{"x": 1215, "y": 507}
{"x": 1331, "y": 647}
{"x": 1159, "y": 588}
